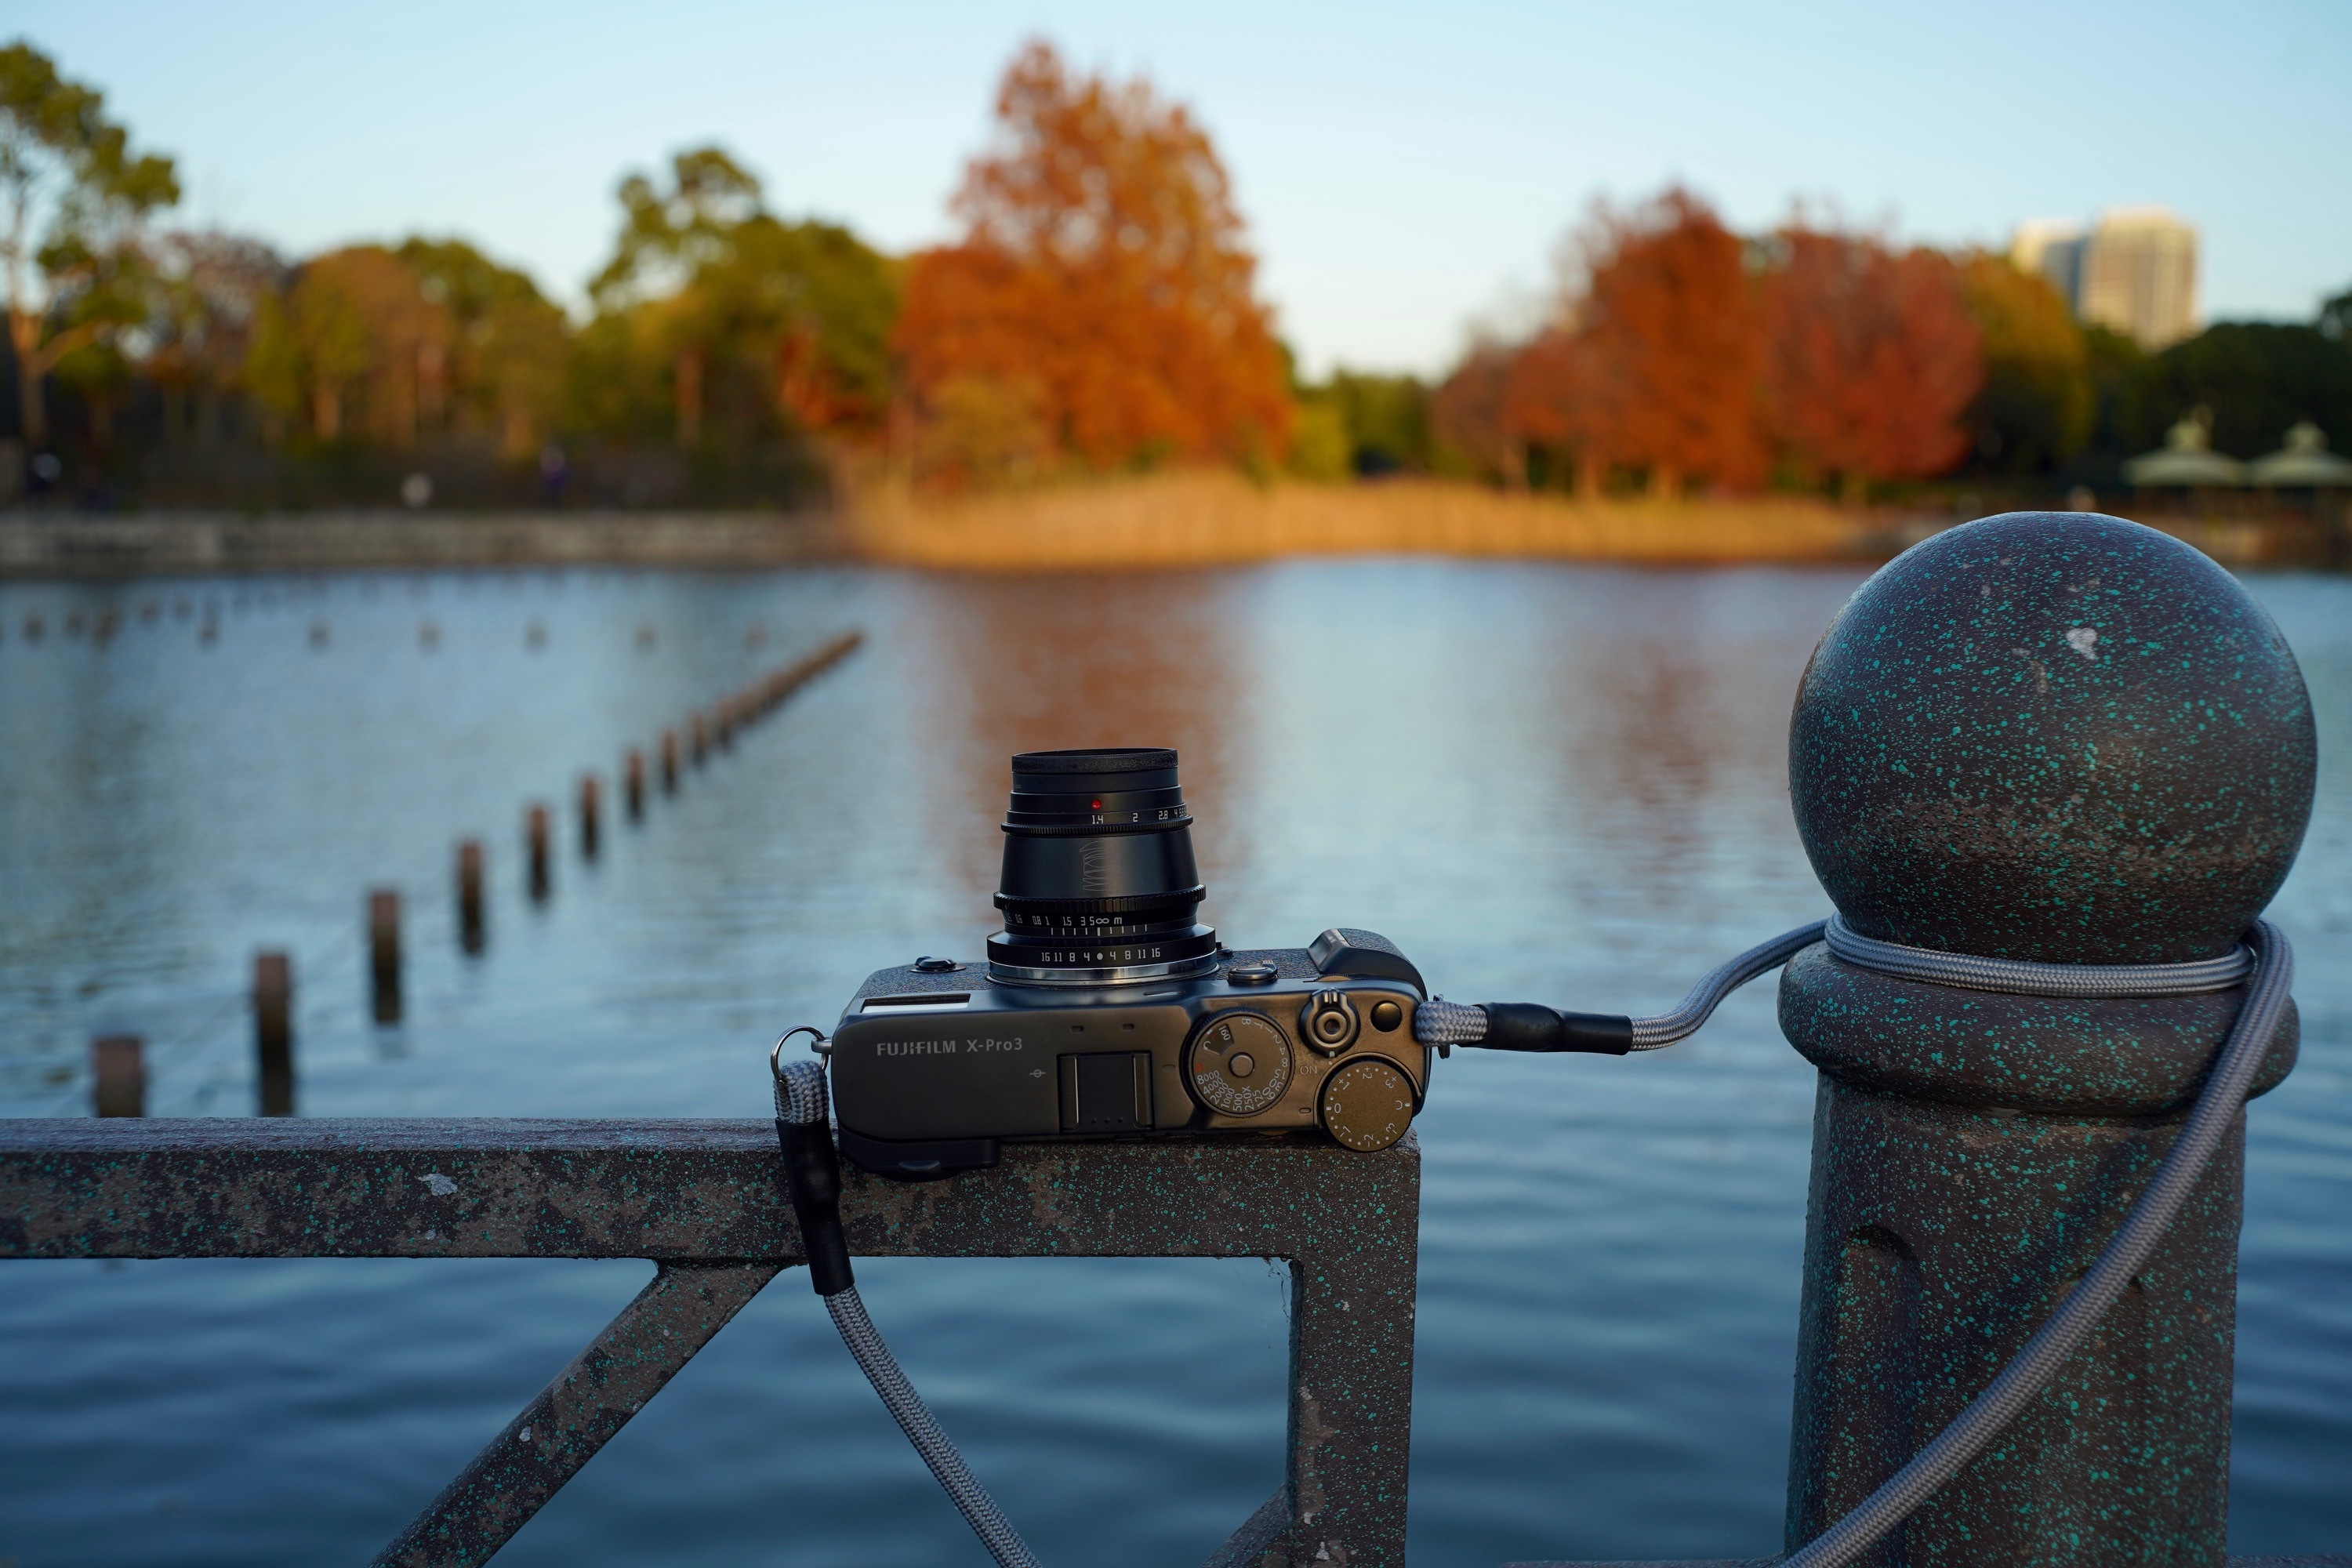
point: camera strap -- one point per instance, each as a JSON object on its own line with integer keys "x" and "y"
{"x": 811, "y": 1175}
{"x": 2264, "y": 964}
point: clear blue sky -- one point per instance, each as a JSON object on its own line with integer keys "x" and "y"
{"x": 1405, "y": 169}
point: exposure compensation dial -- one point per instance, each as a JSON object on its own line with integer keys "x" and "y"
{"x": 1367, "y": 1105}
{"x": 1239, "y": 1063}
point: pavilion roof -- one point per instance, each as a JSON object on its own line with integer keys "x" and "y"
{"x": 2186, "y": 459}
{"x": 2304, "y": 463}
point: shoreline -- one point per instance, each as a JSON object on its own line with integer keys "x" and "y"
{"x": 1158, "y": 522}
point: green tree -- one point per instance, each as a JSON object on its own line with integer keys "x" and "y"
{"x": 2117, "y": 366}
{"x": 666, "y": 235}
{"x": 211, "y": 289}
{"x": 2336, "y": 318}
{"x": 1359, "y": 425}
{"x": 1387, "y": 419}
{"x": 509, "y": 347}
{"x": 2255, "y": 379}
{"x": 355, "y": 343}
{"x": 75, "y": 198}
{"x": 763, "y": 322}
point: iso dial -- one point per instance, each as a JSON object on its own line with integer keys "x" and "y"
{"x": 1239, "y": 1063}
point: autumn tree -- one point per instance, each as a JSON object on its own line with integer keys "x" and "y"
{"x": 1669, "y": 341}
{"x": 73, "y": 197}
{"x": 1550, "y": 400}
{"x": 1102, "y": 296}
{"x": 1469, "y": 418}
{"x": 355, "y": 335}
{"x": 1873, "y": 359}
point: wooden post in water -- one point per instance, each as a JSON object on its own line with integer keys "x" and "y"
{"x": 384, "y": 953}
{"x": 273, "y": 1033}
{"x": 669, "y": 762}
{"x": 723, "y": 724}
{"x": 592, "y": 829}
{"x": 118, "y": 1069}
{"x": 536, "y": 832}
{"x": 698, "y": 744}
{"x": 633, "y": 784}
{"x": 470, "y": 925}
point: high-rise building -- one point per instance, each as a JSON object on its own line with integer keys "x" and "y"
{"x": 2135, "y": 270}
{"x": 2053, "y": 249}
{"x": 2139, "y": 275}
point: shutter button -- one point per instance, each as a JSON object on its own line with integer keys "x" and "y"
{"x": 1258, "y": 973}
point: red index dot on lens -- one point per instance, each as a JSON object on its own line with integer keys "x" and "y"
{"x": 1097, "y": 806}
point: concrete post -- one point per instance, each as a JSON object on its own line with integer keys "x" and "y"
{"x": 2065, "y": 738}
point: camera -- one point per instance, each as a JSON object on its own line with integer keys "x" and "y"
{"x": 1105, "y": 1010}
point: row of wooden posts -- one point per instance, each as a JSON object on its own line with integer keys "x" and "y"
{"x": 118, "y": 1062}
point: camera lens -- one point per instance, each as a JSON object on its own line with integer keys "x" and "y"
{"x": 1098, "y": 887}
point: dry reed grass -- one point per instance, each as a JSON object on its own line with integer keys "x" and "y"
{"x": 1198, "y": 519}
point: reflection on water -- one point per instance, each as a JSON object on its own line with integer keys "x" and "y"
{"x": 1542, "y": 781}
{"x": 1032, "y": 664}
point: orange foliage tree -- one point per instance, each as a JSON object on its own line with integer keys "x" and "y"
{"x": 1471, "y": 415}
{"x": 1100, "y": 305}
{"x": 1873, "y": 358}
{"x": 1668, "y": 343}
{"x": 1548, "y": 399}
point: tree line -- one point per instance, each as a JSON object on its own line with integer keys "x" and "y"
{"x": 1097, "y": 312}
{"x": 1813, "y": 358}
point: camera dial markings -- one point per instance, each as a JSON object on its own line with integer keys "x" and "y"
{"x": 1240, "y": 1062}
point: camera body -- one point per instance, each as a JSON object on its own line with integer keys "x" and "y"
{"x": 1105, "y": 1010}
{"x": 934, "y": 1065}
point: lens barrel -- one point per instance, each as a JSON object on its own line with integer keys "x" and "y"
{"x": 1098, "y": 885}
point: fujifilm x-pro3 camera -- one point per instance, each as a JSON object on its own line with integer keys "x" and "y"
{"x": 1104, "y": 1009}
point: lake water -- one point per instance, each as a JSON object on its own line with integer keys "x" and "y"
{"x": 1556, "y": 782}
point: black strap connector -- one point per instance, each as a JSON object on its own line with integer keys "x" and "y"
{"x": 1532, "y": 1027}
{"x": 813, "y": 1182}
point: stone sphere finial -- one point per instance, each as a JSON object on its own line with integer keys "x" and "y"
{"x": 2056, "y": 736}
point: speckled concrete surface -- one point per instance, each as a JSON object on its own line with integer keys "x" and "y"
{"x": 2070, "y": 739}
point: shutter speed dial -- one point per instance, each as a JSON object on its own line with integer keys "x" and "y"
{"x": 1238, "y": 1063}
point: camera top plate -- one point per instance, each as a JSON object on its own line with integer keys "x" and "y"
{"x": 945, "y": 1056}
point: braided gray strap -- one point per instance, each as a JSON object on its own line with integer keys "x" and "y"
{"x": 2017, "y": 977}
{"x": 915, "y": 1420}
{"x": 2016, "y": 1386}
{"x": 1665, "y": 1028}
{"x": 1438, "y": 1022}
